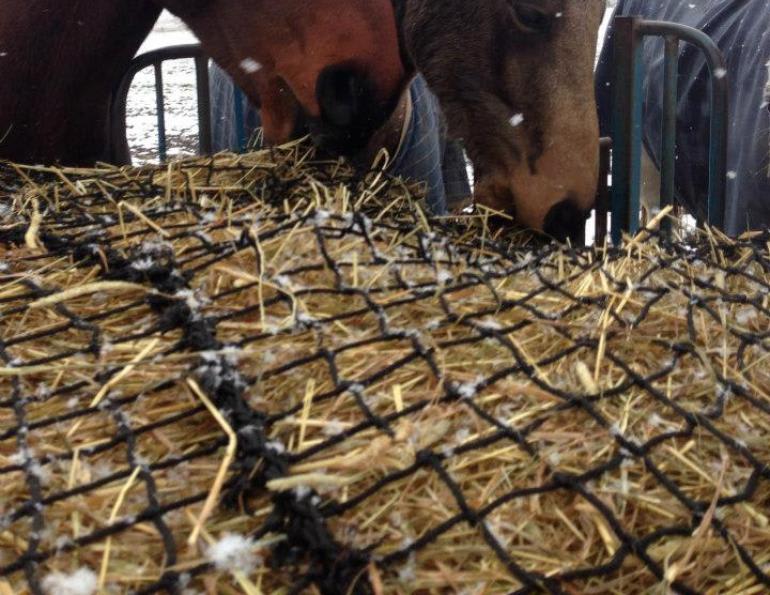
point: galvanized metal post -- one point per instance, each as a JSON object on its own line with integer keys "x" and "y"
{"x": 160, "y": 109}
{"x": 626, "y": 127}
{"x": 603, "y": 191}
{"x": 668, "y": 148}
{"x": 204, "y": 105}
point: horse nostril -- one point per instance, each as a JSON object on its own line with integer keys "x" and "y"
{"x": 565, "y": 220}
{"x": 349, "y": 110}
{"x": 342, "y": 94}
{"x": 301, "y": 125}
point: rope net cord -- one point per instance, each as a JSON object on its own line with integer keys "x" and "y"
{"x": 391, "y": 403}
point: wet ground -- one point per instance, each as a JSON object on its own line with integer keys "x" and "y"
{"x": 179, "y": 97}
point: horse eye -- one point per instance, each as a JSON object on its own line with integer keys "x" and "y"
{"x": 530, "y": 19}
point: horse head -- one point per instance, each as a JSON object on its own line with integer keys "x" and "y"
{"x": 515, "y": 80}
{"x": 329, "y": 67}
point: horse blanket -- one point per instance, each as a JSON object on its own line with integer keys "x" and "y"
{"x": 741, "y": 29}
{"x": 426, "y": 154}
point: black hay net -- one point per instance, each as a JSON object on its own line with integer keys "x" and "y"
{"x": 267, "y": 374}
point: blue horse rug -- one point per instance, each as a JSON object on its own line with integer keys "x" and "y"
{"x": 741, "y": 29}
{"x": 426, "y": 154}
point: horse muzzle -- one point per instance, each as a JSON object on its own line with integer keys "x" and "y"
{"x": 350, "y": 110}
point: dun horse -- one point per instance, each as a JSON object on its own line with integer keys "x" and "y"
{"x": 514, "y": 78}
{"x": 60, "y": 61}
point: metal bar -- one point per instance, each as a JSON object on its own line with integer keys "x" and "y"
{"x": 204, "y": 105}
{"x": 603, "y": 191}
{"x": 240, "y": 118}
{"x": 626, "y": 127}
{"x": 668, "y": 148}
{"x": 160, "y": 109}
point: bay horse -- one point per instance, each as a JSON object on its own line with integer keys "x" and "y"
{"x": 514, "y": 79}
{"x": 60, "y": 62}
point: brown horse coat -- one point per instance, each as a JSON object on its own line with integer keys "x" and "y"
{"x": 514, "y": 78}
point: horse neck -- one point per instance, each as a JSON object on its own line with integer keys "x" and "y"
{"x": 62, "y": 60}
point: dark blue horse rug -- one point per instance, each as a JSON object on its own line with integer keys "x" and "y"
{"x": 741, "y": 28}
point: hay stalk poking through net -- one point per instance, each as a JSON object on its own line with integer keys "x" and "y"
{"x": 373, "y": 400}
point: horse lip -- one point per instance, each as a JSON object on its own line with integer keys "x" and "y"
{"x": 565, "y": 220}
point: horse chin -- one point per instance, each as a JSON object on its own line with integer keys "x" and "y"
{"x": 362, "y": 142}
{"x": 389, "y": 135}
{"x": 539, "y": 202}
{"x": 565, "y": 221}
{"x": 333, "y": 142}
{"x": 351, "y": 112}
{"x": 549, "y": 190}
{"x": 346, "y": 141}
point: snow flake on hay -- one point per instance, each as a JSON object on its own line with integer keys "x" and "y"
{"x": 468, "y": 390}
{"x": 81, "y": 582}
{"x": 321, "y": 217}
{"x": 362, "y": 224}
{"x": 143, "y": 264}
{"x": 302, "y": 491}
{"x": 333, "y": 427}
{"x": 276, "y": 446}
{"x": 444, "y": 277}
{"x": 194, "y": 299}
{"x": 25, "y": 457}
{"x": 746, "y": 315}
{"x": 304, "y": 321}
{"x": 357, "y": 390}
{"x": 234, "y": 553}
{"x": 218, "y": 367}
{"x": 157, "y": 248}
{"x": 284, "y": 282}
{"x": 426, "y": 242}
{"x": 460, "y": 437}
{"x": 489, "y": 324}
{"x": 408, "y": 572}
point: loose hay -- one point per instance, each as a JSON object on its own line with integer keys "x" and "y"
{"x": 390, "y": 403}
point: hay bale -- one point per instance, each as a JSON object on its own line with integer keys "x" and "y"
{"x": 262, "y": 373}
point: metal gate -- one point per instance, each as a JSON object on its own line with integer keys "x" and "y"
{"x": 119, "y": 150}
{"x": 630, "y": 33}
